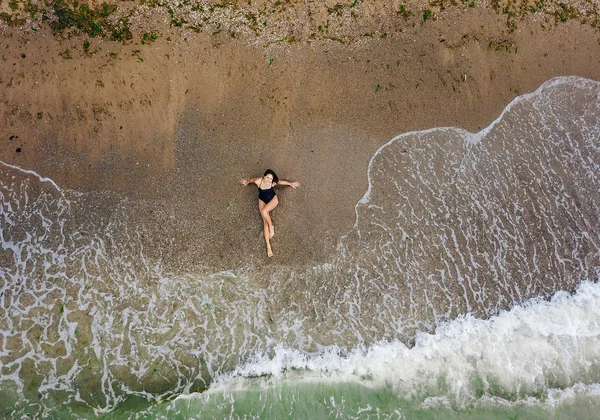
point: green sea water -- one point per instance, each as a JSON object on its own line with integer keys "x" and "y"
{"x": 296, "y": 397}
{"x": 322, "y": 400}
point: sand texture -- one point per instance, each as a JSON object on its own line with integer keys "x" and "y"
{"x": 169, "y": 115}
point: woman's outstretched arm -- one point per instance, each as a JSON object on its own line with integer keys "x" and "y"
{"x": 246, "y": 182}
{"x": 292, "y": 184}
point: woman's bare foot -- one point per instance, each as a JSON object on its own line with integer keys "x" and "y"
{"x": 269, "y": 252}
{"x": 271, "y": 231}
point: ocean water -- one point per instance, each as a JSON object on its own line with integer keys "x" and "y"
{"x": 538, "y": 360}
{"x": 468, "y": 287}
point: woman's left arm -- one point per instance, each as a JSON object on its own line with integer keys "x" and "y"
{"x": 292, "y": 184}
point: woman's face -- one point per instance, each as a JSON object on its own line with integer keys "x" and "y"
{"x": 268, "y": 178}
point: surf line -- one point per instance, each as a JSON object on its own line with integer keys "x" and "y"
{"x": 475, "y": 138}
{"x": 29, "y": 171}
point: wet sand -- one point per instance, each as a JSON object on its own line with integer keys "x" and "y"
{"x": 170, "y": 126}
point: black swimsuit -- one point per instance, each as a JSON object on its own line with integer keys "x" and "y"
{"x": 266, "y": 195}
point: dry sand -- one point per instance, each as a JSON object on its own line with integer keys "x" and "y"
{"x": 171, "y": 125}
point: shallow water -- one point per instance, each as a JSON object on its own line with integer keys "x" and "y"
{"x": 536, "y": 361}
{"x": 453, "y": 223}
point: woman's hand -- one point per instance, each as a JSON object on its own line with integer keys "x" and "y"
{"x": 244, "y": 182}
{"x": 294, "y": 184}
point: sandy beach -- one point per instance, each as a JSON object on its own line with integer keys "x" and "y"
{"x": 169, "y": 116}
{"x": 451, "y": 273}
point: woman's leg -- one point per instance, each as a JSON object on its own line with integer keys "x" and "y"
{"x": 266, "y": 231}
{"x": 265, "y": 213}
{"x": 269, "y": 230}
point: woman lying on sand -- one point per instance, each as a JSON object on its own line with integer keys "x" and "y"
{"x": 267, "y": 200}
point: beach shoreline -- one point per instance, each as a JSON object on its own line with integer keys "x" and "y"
{"x": 172, "y": 123}
{"x": 445, "y": 231}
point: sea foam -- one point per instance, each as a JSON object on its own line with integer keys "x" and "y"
{"x": 542, "y": 351}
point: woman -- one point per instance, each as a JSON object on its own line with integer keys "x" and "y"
{"x": 267, "y": 200}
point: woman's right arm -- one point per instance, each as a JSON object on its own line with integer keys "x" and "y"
{"x": 246, "y": 182}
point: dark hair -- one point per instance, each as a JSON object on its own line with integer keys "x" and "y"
{"x": 270, "y": 171}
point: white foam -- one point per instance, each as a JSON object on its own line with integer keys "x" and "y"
{"x": 474, "y": 138}
{"x": 539, "y": 348}
{"x": 30, "y": 172}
